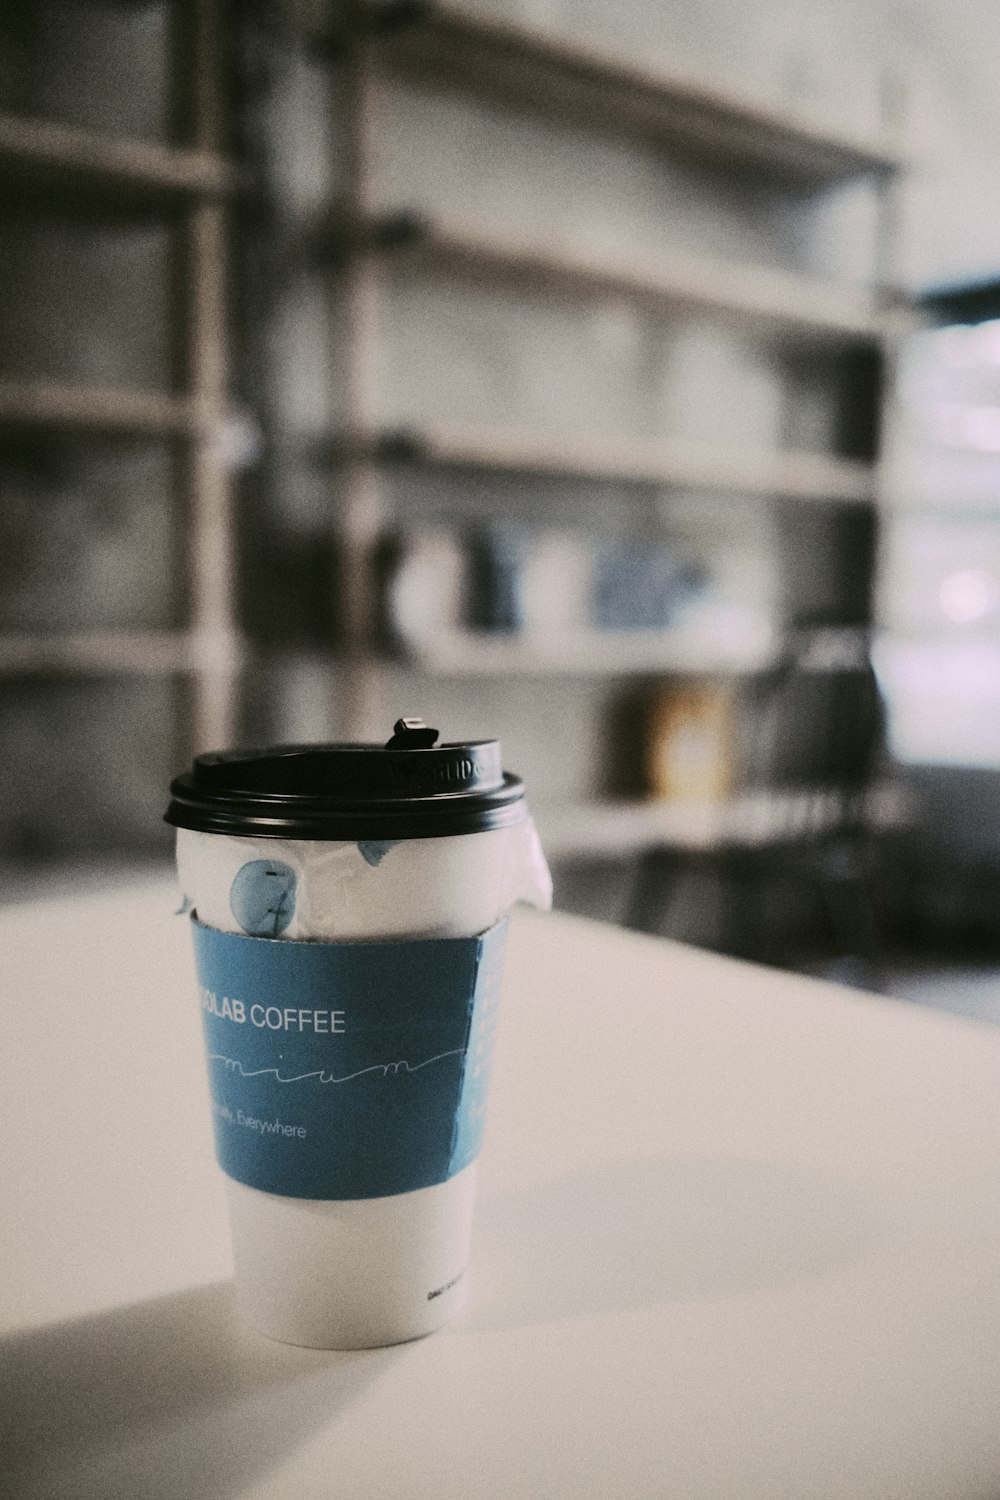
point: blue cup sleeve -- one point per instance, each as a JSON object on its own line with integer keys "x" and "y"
{"x": 347, "y": 1070}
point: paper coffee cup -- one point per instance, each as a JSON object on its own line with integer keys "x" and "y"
{"x": 348, "y": 987}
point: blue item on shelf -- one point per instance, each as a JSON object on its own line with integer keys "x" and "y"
{"x": 641, "y": 587}
{"x": 498, "y": 554}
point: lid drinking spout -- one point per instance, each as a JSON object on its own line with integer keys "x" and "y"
{"x": 411, "y": 734}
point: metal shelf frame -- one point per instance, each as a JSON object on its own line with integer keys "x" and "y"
{"x": 193, "y": 184}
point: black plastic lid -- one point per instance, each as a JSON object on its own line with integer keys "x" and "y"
{"x": 410, "y": 788}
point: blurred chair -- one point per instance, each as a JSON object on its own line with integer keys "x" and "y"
{"x": 783, "y": 873}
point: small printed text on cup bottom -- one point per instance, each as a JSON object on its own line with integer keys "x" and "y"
{"x": 264, "y": 1127}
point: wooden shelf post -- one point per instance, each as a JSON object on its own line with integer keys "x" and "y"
{"x": 211, "y": 546}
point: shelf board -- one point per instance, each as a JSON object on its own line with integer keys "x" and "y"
{"x": 636, "y": 460}
{"x": 595, "y": 653}
{"x": 751, "y": 298}
{"x": 626, "y": 828}
{"x": 48, "y": 404}
{"x": 599, "y": 85}
{"x": 729, "y": 647}
{"x": 45, "y": 157}
{"x": 144, "y": 653}
{"x": 749, "y": 818}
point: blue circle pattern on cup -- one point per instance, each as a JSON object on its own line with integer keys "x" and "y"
{"x": 262, "y": 897}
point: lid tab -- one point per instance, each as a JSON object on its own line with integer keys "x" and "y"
{"x": 411, "y": 734}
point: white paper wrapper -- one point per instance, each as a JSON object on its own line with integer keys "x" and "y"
{"x": 440, "y": 887}
{"x": 357, "y": 1273}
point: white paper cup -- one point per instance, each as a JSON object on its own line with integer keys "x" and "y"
{"x": 351, "y": 1074}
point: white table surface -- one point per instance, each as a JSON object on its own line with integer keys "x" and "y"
{"x": 738, "y": 1236}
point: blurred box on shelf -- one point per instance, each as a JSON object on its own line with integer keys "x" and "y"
{"x": 424, "y": 584}
{"x": 501, "y": 579}
{"x": 640, "y": 586}
{"x": 690, "y": 742}
{"x": 530, "y": 581}
{"x": 496, "y": 560}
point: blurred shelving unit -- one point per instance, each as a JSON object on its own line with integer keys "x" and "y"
{"x": 218, "y": 165}
{"x": 537, "y": 72}
{"x": 69, "y": 174}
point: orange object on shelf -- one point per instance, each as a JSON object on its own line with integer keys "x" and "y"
{"x": 689, "y": 743}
